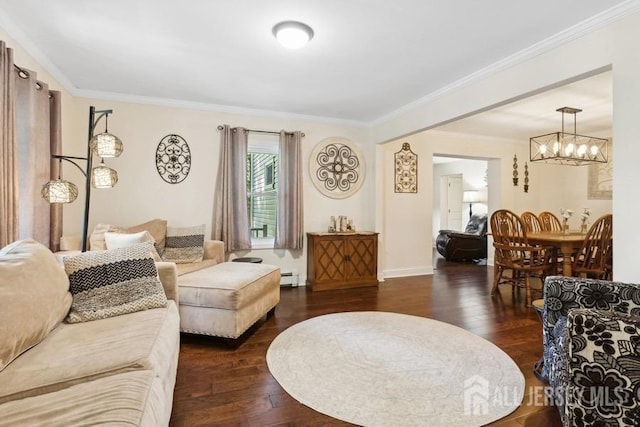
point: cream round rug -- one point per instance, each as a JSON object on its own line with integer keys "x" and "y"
{"x": 389, "y": 369}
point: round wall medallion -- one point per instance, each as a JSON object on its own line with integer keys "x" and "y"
{"x": 173, "y": 159}
{"x": 337, "y": 167}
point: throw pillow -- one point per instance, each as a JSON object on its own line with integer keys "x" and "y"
{"x": 35, "y": 297}
{"x": 184, "y": 245}
{"x": 156, "y": 227}
{"x": 96, "y": 239}
{"x": 122, "y": 240}
{"x": 113, "y": 282}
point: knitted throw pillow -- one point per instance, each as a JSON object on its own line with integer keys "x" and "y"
{"x": 184, "y": 245}
{"x": 113, "y": 282}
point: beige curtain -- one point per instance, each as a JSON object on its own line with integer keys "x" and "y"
{"x": 8, "y": 150}
{"x": 231, "y": 217}
{"x": 55, "y": 143}
{"x": 290, "y": 229}
{"x": 33, "y": 118}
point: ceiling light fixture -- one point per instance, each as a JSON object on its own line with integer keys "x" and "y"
{"x": 568, "y": 148}
{"x": 292, "y": 34}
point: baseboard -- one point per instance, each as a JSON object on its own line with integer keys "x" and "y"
{"x": 404, "y": 272}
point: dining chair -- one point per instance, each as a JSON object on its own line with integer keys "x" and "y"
{"x": 513, "y": 252}
{"x": 594, "y": 259}
{"x": 531, "y": 222}
{"x": 549, "y": 221}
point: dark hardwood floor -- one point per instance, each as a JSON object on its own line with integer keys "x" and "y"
{"x": 218, "y": 385}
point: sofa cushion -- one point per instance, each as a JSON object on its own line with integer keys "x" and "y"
{"x": 113, "y": 282}
{"x": 122, "y": 240}
{"x": 114, "y": 400}
{"x": 81, "y": 352}
{"x": 229, "y": 285}
{"x": 195, "y": 266}
{"x": 184, "y": 244}
{"x": 156, "y": 227}
{"x": 35, "y": 297}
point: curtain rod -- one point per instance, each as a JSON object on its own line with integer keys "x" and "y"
{"x": 269, "y": 132}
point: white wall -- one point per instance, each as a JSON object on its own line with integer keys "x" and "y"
{"x": 608, "y": 47}
{"x": 141, "y": 194}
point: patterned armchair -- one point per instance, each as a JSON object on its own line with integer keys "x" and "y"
{"x": 591, "y": 338}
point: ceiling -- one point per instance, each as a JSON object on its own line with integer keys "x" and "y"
{"x": 368, "y": 58}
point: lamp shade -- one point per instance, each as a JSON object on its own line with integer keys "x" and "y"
{"x": 103, "y": 177}
{"x": 59, "y": 191}
{"x": 106, "y": 145}
{"x": 292, "y": 34}
{"x": 471, "y": 196}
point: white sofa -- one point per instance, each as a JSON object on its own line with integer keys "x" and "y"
{"x": 114, "y": 371}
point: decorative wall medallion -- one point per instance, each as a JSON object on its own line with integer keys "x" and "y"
{"x": 173, "y": 159}
{"x": 337, "y": 167}
{"x": 406, "y": 165}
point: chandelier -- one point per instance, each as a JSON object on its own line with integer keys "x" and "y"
{"x": 568, "y": 148}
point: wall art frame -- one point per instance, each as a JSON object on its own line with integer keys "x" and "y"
{"x": 406, "y": 170}
{"x": 337, "y": 167}
{"x": 173, "y": 159}
{"x": 600, "y": 178}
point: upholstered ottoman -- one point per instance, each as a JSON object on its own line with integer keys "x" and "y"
{"x": 226, "y": 299}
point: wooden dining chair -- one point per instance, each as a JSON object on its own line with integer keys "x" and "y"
{"x": 513, "y": 252}
{"x": 549, "y": 221}
{"x": 594, "y": 259}
{"x": 531, "y": 222}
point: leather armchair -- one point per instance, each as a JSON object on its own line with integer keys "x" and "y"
{"x": 470, "y": 245}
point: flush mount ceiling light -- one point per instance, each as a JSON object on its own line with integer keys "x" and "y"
{"x": 292, "y": 34}
{"x": 568, "y": 148}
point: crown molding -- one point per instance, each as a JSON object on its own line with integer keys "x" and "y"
{"x": 204, "y": 106}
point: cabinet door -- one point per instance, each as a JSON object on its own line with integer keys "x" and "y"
{"x": 361, "y": 256}
{"x": 329, "y": 259}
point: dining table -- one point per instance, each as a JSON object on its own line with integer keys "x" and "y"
{"x": 567, "y": 243}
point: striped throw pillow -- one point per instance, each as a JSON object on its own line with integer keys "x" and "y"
{"x": 113, "y": 282}
{"x": 184, "y": 245}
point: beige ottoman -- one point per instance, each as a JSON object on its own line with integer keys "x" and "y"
{"x": 226, "y": 299}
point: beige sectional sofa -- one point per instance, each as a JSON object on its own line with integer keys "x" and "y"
{"x": 217, "y": 298}
{"x": 114, "y": 371}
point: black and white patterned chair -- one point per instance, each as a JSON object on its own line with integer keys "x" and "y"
{"x": 591, "y": 338}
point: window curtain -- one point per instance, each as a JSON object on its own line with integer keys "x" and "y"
{"x": 231, "y": 216}
{"x": 290, "y": 229}
{"x": 35, "y": 120}
{"x": 8, "y": 150}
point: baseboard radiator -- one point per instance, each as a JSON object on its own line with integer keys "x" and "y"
{"x": 289, "y": 279}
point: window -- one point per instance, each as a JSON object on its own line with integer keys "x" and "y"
{"x": 262, "y": 188}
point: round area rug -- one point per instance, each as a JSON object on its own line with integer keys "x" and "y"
{"x": 389, "y": 369}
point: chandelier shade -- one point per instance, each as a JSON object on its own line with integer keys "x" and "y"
{"x": 59, "y": 191}
{"x": 568, "y": 148}
{"x": 106, "y": 145}
{"x": 103, "y": 176}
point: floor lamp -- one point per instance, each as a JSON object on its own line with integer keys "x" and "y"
{"x": 471, "y": 197}
{"x": 103, "y": 145}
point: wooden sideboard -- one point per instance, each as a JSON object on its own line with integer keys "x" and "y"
{"x": 342, "y": 260}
